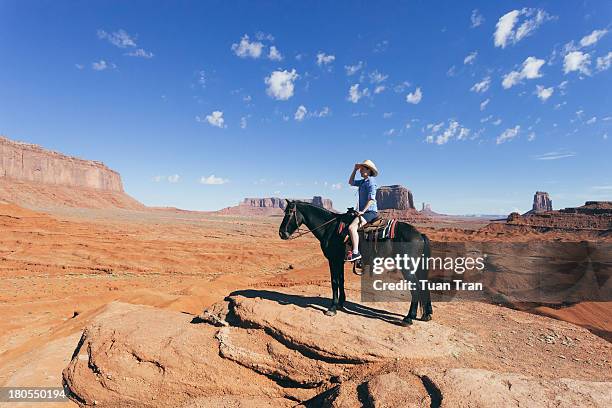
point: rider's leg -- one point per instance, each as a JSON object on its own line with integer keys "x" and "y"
{"x": 357, "y": 222}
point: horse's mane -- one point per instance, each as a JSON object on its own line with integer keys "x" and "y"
{"x": 316, "y": 208}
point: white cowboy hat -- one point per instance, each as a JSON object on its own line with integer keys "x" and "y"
{"x": 370, "y": 165}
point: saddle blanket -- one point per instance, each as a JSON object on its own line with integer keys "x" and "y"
{"x": 385, "y": 231}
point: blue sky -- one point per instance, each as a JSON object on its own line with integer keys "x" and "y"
{"x": 473, "y": 106}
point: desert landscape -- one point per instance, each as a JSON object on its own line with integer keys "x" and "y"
{"x": 126, "y": 305}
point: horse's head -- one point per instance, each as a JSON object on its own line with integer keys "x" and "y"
{"x": 291, "y": 222}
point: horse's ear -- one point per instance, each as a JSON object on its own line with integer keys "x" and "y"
{"x": 287, "y": 202}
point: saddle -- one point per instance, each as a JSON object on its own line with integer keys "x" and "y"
{"x": 379, "y": 229}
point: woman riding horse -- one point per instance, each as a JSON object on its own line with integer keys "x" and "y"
{"x": 324, "y": 225}
{"x": 367, "y": 210}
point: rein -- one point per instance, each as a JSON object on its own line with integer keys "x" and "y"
{"x": 301, "y": 233}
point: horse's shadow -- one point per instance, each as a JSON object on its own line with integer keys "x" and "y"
{"x": 320, "y": 304}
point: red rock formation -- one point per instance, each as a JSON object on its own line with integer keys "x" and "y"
{"x": 28, "y": 162}
{"x": 33, "y": 177}
{"x": 541, "y": 202}
{"x": 394, "y": 197}
{"x": 271, "y": 206}
{"x": 594, "y": 215}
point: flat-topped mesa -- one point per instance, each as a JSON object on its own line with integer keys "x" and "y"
{"x": 394, "y": 197}
{"x": 541, "y": 202}
{"x": 31, "y": 163}
{"x": 269, "y": 202}
{"x": 277, "y": 202}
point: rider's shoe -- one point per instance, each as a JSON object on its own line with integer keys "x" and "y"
{"x": 352, "y": 257}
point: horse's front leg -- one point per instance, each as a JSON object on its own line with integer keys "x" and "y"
{"x": 335, "y": 281}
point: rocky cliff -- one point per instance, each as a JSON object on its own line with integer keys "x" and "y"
{"x": 28, "y": 162}
{"x": 34, "y": 177}
{"x": 394, "y": 197}
{"x": 541, "y": 202}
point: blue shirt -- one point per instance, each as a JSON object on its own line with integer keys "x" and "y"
{"x": 367, "y": 191}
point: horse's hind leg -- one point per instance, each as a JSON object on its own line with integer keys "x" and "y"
{"x": 426, "y": 306}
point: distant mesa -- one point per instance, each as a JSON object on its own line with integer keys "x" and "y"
{"x": 592, "y": 216}
{"x": 394, "y": 197}
{"x": 34, "y": 177}
{"x": 426, "y": 210}
{"x": 271, "y": 205}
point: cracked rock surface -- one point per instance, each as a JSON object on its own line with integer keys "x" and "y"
{"x": 275, "y": 347}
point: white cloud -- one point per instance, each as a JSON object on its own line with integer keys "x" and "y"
{"x": 214, "y": 119}
{"x": 336, "y": 186}
{"x": 324, "y": 59}
{"x": 323, "y": 113}
{"x": 213, "y": 180}
{"x": 247, "y": 49}
{"x": 174, "y": 178}
{"x": 484, "y": 104}
{"x": 454, "y": 130}
{"x": 414, "y": 97}
{"x": 280, "y": 84}
{"x": 592, "y": 38}
{"x": 102, "y": 65}
{"x": 556, "y": 155}
{"x": 592, "y": 120}
{"x": 79, "y": 66}
{"x": 505, "y": 31}
{"x": 353, "y": 69}
{"x": 355, "y": 94}
{"x": 481, "y": 86}
{"x": 118, "y": 38}
{"x": 544, "y": 93}
{"x": 530, "y": 70}
{"x": 510, "y": 79}
{"x": 470, "y": 58}
{"x": 243, "y": 122}
{"x": 274, "y": 54}
{"x": 508, "y": 134}
{"x": 604, "y": 63}
{"x": 263, "y": 36}
{"x": 389, "y": 132}
{"x": 577, "y": 61}
{"x": 379, "y": 89}
{"x": 387, "y": 115}
{"x": 157, "y": 179}
{"x": 300, "y": 113}
{"x": 531, "y": 136}
{"x": 377, "y": 77}
{"x": 497, "y": 122}
{"x": 140, "y": 53}
{"x": 476, "y": 18}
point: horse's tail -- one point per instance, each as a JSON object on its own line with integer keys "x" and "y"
{"x": 425, "y": 301}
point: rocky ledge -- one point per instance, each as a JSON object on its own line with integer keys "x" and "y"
{"x": 264, "y": 348}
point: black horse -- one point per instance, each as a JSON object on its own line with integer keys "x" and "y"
{"x": 324, "y": 225}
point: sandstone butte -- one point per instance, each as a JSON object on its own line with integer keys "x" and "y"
{"x": 186, "y": 309}
{"x": 35, "y": 177}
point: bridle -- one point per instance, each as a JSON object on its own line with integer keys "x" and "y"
{"x": 301, "y": 232}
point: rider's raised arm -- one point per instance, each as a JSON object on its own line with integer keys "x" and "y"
{"x": 352, "y": 178}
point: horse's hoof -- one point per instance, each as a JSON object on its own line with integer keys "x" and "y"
{"x": 406, "y": 322}
{"x": 426, "y": 318}
{"x": 330, "y": 312}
